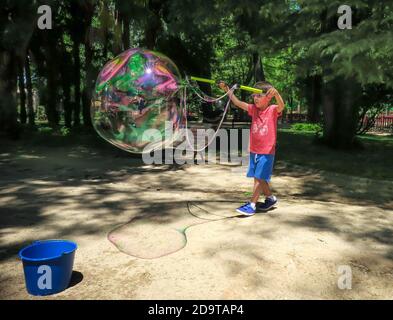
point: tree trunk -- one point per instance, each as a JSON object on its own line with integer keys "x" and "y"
{"x": 153, "y": 26}
{"x": 51, "y": 105}
{"x": 29, "y": 87}
{"x": 259, "y": 72}
{"x": 89, "y": 84}
{"x": 52, "y": 72}
{"x": 89, "y": 80}
{"x": 256, "y": 70}
{"x": 329, "y": 114}
{"x": 77, "y": 83}
{"x": 314, "y": 106}
{"x": 8, "y": 111}
{"x": 290, "y": 105}
{"x": 348, "y": 114}
{"x": 66, "y": 84}
{"x": 126, "y": 32}
{"x": 151, "y": 34}
{"x": 22, "y": 93}
{"x": 340, "y": 113}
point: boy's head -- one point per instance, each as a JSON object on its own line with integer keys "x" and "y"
{"x": 262, "y": 100}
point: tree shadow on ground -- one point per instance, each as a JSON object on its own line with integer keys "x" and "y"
{"x": 327, "y": 186}
{"x": 33, "y": 175}
{"x": 37, "y": 179}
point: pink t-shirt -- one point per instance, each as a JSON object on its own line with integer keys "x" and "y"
{"x": 263, "y": 132}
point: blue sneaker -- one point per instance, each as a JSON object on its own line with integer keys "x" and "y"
{"x": 268, "y": 204}
{"x": 246, "y": 209}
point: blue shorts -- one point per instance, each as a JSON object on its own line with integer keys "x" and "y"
{"x": 261, "y": 166}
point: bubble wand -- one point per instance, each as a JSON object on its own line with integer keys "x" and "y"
{"x": 241, "y": 87}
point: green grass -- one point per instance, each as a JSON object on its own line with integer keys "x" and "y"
{"x": 388, "y": 139}
{"x": 373, "y": 161}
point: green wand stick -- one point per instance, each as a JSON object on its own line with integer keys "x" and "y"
{"x": 245, "y": 88}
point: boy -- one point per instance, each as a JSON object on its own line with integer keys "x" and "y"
{"x": 263, "y": 136}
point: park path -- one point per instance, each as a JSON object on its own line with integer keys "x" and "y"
{"x": 323, "y": 221}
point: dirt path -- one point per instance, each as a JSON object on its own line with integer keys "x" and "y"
{"x": 183, "y": 240}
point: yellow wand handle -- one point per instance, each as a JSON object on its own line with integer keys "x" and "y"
{"x": 251, "y": 89}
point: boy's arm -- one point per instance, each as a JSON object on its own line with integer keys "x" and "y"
{"x": 238, "y": 103}
{"x": 281, "y": 104}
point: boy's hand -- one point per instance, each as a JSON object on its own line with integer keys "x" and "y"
{"x": 234, "y": 99}
{"x": 223, "y": 86}
{"x": 272, "y": 92}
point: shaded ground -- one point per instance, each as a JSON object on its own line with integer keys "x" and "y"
{"x": 185, "y": 240}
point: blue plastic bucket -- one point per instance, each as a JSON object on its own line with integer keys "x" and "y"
{"x": 47, "y": 266}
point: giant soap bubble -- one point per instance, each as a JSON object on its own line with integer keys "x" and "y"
{"x": 135, "y": 92}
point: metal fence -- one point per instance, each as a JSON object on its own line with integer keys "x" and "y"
{"x": 383, "y": 123}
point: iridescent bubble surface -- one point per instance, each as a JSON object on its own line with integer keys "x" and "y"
{"x": 136, "y": 105}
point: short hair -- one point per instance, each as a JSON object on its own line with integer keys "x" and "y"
{"x": 263, "y": 85}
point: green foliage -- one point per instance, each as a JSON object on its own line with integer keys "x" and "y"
{"x": 364, "y": 53}
{"x": 41, "y": 114}
{"x": 295, "y": 40}
{"x": 280, "y": 71}
{"x": 65, "y": 131}
{"x": 231, "y": 61}
{"x": 45, "y": 130}
{"x": 306, "y": 127}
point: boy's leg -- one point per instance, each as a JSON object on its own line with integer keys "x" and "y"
{"x": 262, "y": 171}
{"x": 266, "y": 188}
{"x": 249, "y": 209}
{"x": 270, "y": 200}
{"x": 258, "y": 188}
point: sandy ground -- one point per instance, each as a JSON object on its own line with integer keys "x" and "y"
{"x": 182, "y": 237}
